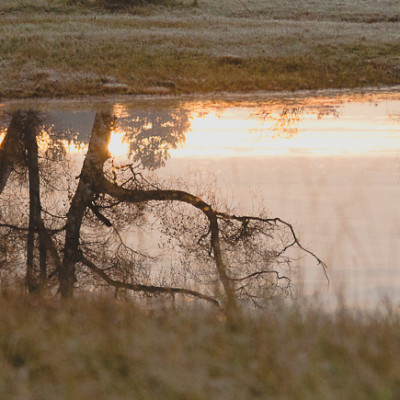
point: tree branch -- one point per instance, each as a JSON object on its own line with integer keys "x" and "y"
{"x": 146, "y": 288}
{"x": 21, "y": 228}
{"x": 275, "y": 221}
{"x": 138, "y": 196}
{"x": 100, "y": 216}
{"x": 263, "y": 272}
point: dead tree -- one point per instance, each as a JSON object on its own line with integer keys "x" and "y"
{"x": 20, "y": 149}
{"x": 93, "y": 182}
{"x": 222, "y": 235}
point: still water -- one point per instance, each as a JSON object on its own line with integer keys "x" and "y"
{"x": 329, "y": 163}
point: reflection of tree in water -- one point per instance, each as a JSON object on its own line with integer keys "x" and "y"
{"x": 286, "y": 122}
{"x": 20, "y": 151}
{"x": 15, "y": 149}
{"x": 152, "y": 133}
{"x": 395, "y": 117}
{"x": 75, "y": 236}
{"x": 325, "y": 111}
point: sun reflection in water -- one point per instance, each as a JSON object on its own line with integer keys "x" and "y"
{"x": 357, "y": 129}
{"x": 2, "y": 136}
{"x": 118, "y": 145}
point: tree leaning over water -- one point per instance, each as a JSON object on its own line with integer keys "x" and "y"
{"x": 228, "y": 259}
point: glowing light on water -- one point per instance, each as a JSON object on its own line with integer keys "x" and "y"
{"x": 2, "y": 136}
{"x": 118, "y": 145}
{"x": 73, "y": 147}
{"x": 356, "y": 129}
{"x": 43, "y": 141}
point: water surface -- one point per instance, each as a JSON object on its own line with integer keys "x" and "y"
{"x": 329, "y": 164}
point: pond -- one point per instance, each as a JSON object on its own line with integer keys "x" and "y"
{"x": 328, "y": 163}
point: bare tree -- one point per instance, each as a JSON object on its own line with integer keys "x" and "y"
{"x": 237, "y": 257}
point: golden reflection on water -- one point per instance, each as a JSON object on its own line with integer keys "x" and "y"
{"x": 2, "y": 136}
{"x": 354, "y": 129}
{"x": 119, "y": 144}
{"x": 43, "y": 140}
{"x": 321, "y": 126}
{"x": 74, "y": 147}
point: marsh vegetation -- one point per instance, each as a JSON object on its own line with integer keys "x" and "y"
{"x": 212, "y": 323}
{"x": 61, "y": 48}
{"x": 102, "y": 349}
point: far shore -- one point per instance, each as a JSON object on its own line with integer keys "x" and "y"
{"x": 60, "y": 48}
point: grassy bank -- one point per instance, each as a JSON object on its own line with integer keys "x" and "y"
{"x": 107, "y": 350}
{"x": 68, "y": 47}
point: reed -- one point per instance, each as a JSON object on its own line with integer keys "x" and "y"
{"x": 100, "y": 348}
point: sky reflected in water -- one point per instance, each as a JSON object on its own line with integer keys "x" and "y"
{"x": 322, "y": 126}
{"x": 360, "y": 129}
{"x": 329, "y": 165}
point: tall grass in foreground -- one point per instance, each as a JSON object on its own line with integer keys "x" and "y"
{"x": 103, "y": 349}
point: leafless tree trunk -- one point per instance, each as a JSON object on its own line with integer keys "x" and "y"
{"x": 85, "y": 193}
{"x": 20, "y": 147}
{"x": 28, "y": 125}
{"x": 30, "y": 131}
{"x": 92, "y": 182}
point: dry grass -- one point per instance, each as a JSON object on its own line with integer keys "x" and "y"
{"x": 106, "y": 350}
{"x": 74, "y": 48}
